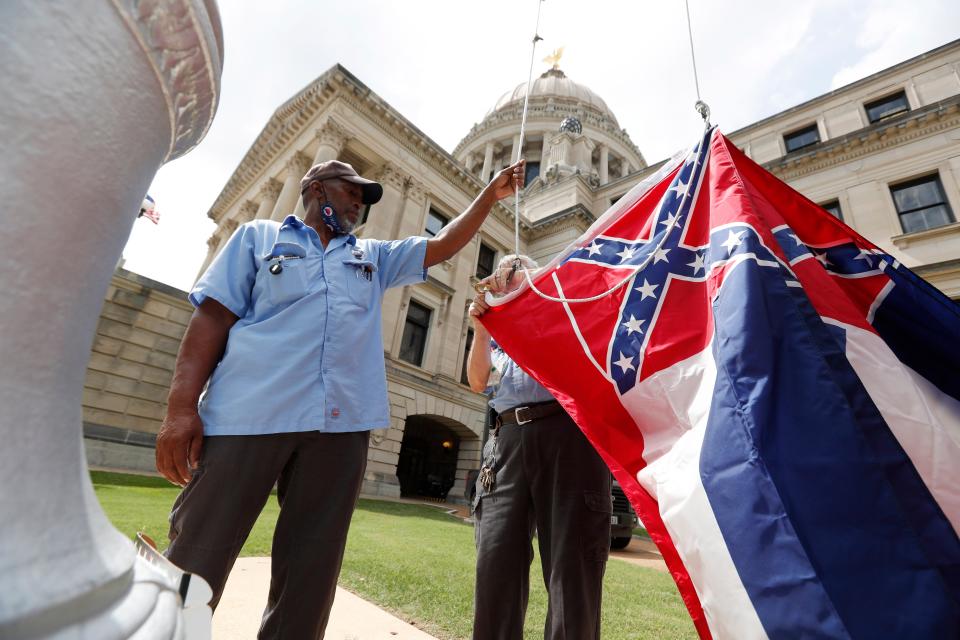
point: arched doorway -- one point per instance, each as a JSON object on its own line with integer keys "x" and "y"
{"x": 428, "y": 457}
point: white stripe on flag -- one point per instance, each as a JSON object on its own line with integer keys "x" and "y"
{"x": 924, "y": 420}
{"x": 673, "y": 437}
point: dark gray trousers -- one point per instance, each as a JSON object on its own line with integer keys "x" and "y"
{"x": 318, "y": 478}
{"x": 548, "y": 478}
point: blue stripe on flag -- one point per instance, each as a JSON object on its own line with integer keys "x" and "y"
{"x": 922, "y": 327}
{"x": 798, "y": 488}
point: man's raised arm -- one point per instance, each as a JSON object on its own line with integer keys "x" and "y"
{"x": 458, "y": 233}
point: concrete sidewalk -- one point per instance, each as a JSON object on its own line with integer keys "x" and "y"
{"x": 352, "y": 618}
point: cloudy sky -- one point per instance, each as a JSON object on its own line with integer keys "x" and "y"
{"x": 444, "y": 63}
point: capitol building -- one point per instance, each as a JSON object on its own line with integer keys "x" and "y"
{"x": 882, "y": 154}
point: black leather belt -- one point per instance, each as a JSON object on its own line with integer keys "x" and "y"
{"x": 529, "y": 413}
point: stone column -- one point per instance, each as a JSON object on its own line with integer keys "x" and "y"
{"x": 102, "y": 119}
{"x": 332, "y": 138}
{"x": 268, "y": 194}
{"x": 624, "y": 167}
{"x": 248, "y": 211}
{"x": 487, "y": 162}
{"x": 406, "y": 212}
{"x": 545, "y": 153}
{"x": 414, "y": 205}
{"x": 229, "y": 226}
{"x": 604, "y": 164}
{"x": 294, "y": 169}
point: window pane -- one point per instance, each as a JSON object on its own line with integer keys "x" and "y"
{"x": 435, "y": 222}
{"x": 414, "y": 340}
{"x": 917, "y": 195}
{"x": 922, "y": 204}
{"x": 411, "y": 347}
{"x": 924, "y": 219}
{"x": 418, "y": 314}
{"x": 886, "y": 107}
{"x": 802, "y": 138}
{"x": 485, "y": 261}
{"x": 833, "y": 208}
{"x": 533, "y": 170}
{"x": 466, "y": 352}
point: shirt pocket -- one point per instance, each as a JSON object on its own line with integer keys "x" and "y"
{"x": 285, "y": 278}
{"x": 362, "y": 282}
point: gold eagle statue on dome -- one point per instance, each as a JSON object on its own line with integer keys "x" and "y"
{"x": 554, "y": 58}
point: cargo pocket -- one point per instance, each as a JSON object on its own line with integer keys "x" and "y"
{"x": 595, "y": 526}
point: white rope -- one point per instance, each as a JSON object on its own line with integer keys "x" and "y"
{"x": 693, "y": 58}
{"x": 700, "y": 106}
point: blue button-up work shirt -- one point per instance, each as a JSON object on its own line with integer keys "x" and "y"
{"x": 306, "y": 353}
{"x": 516, "y": 388}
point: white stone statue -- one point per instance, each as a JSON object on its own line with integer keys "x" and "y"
{"x": 96, "y": 95}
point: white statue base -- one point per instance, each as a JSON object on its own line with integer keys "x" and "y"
{"x": 96, "y": 96}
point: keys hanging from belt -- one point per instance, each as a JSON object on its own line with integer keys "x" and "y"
{"x": 487, "y": 478}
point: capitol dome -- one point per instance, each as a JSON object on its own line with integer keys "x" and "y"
{"x": 555, "y": 84}
{"x": 570, "y": 131}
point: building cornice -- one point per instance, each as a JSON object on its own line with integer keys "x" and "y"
{"x": 849, "y": 88}
{"x": 550, "y": 108}
{"x": 290, "y": 119}
{"x": 912, "y": 125}
{"x": 564, "y": 219}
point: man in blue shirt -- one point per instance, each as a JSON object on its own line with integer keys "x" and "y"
{"x": 286, "y": 339}
{"x": 539, "y": 473}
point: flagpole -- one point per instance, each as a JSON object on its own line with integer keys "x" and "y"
{"x": 523, "y": 127}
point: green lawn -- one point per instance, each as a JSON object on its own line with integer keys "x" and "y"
{"x": 417, "y": 562}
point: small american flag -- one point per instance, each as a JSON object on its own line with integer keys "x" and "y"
{"x": 149, "y": 211}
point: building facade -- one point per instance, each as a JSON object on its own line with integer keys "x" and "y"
{"x": 882, "y": 153}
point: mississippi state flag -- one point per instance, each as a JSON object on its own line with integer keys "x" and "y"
{"x": 777, "y": 396}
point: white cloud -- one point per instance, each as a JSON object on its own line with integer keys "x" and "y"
{"x": 896, "y": 31}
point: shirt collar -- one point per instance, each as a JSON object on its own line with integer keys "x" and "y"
{"x": 294, "y": 222}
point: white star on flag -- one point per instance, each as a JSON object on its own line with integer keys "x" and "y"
{"x": 733, "y": 240}
{"x": 647, "y": 290}
{"x": 796, "y": 239}
{"x": 633, "y": 325}
{"x": 697, "y": 263}
{"x": 671, "y": 219}
{"x": 625, "y": 363}
{"x": 822, "y": 258}
{"x": 660, "y": 255}
{"x": 627, "y": 253}
{"x": 594, "y": 248}
{"x": 680, "y": 188}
